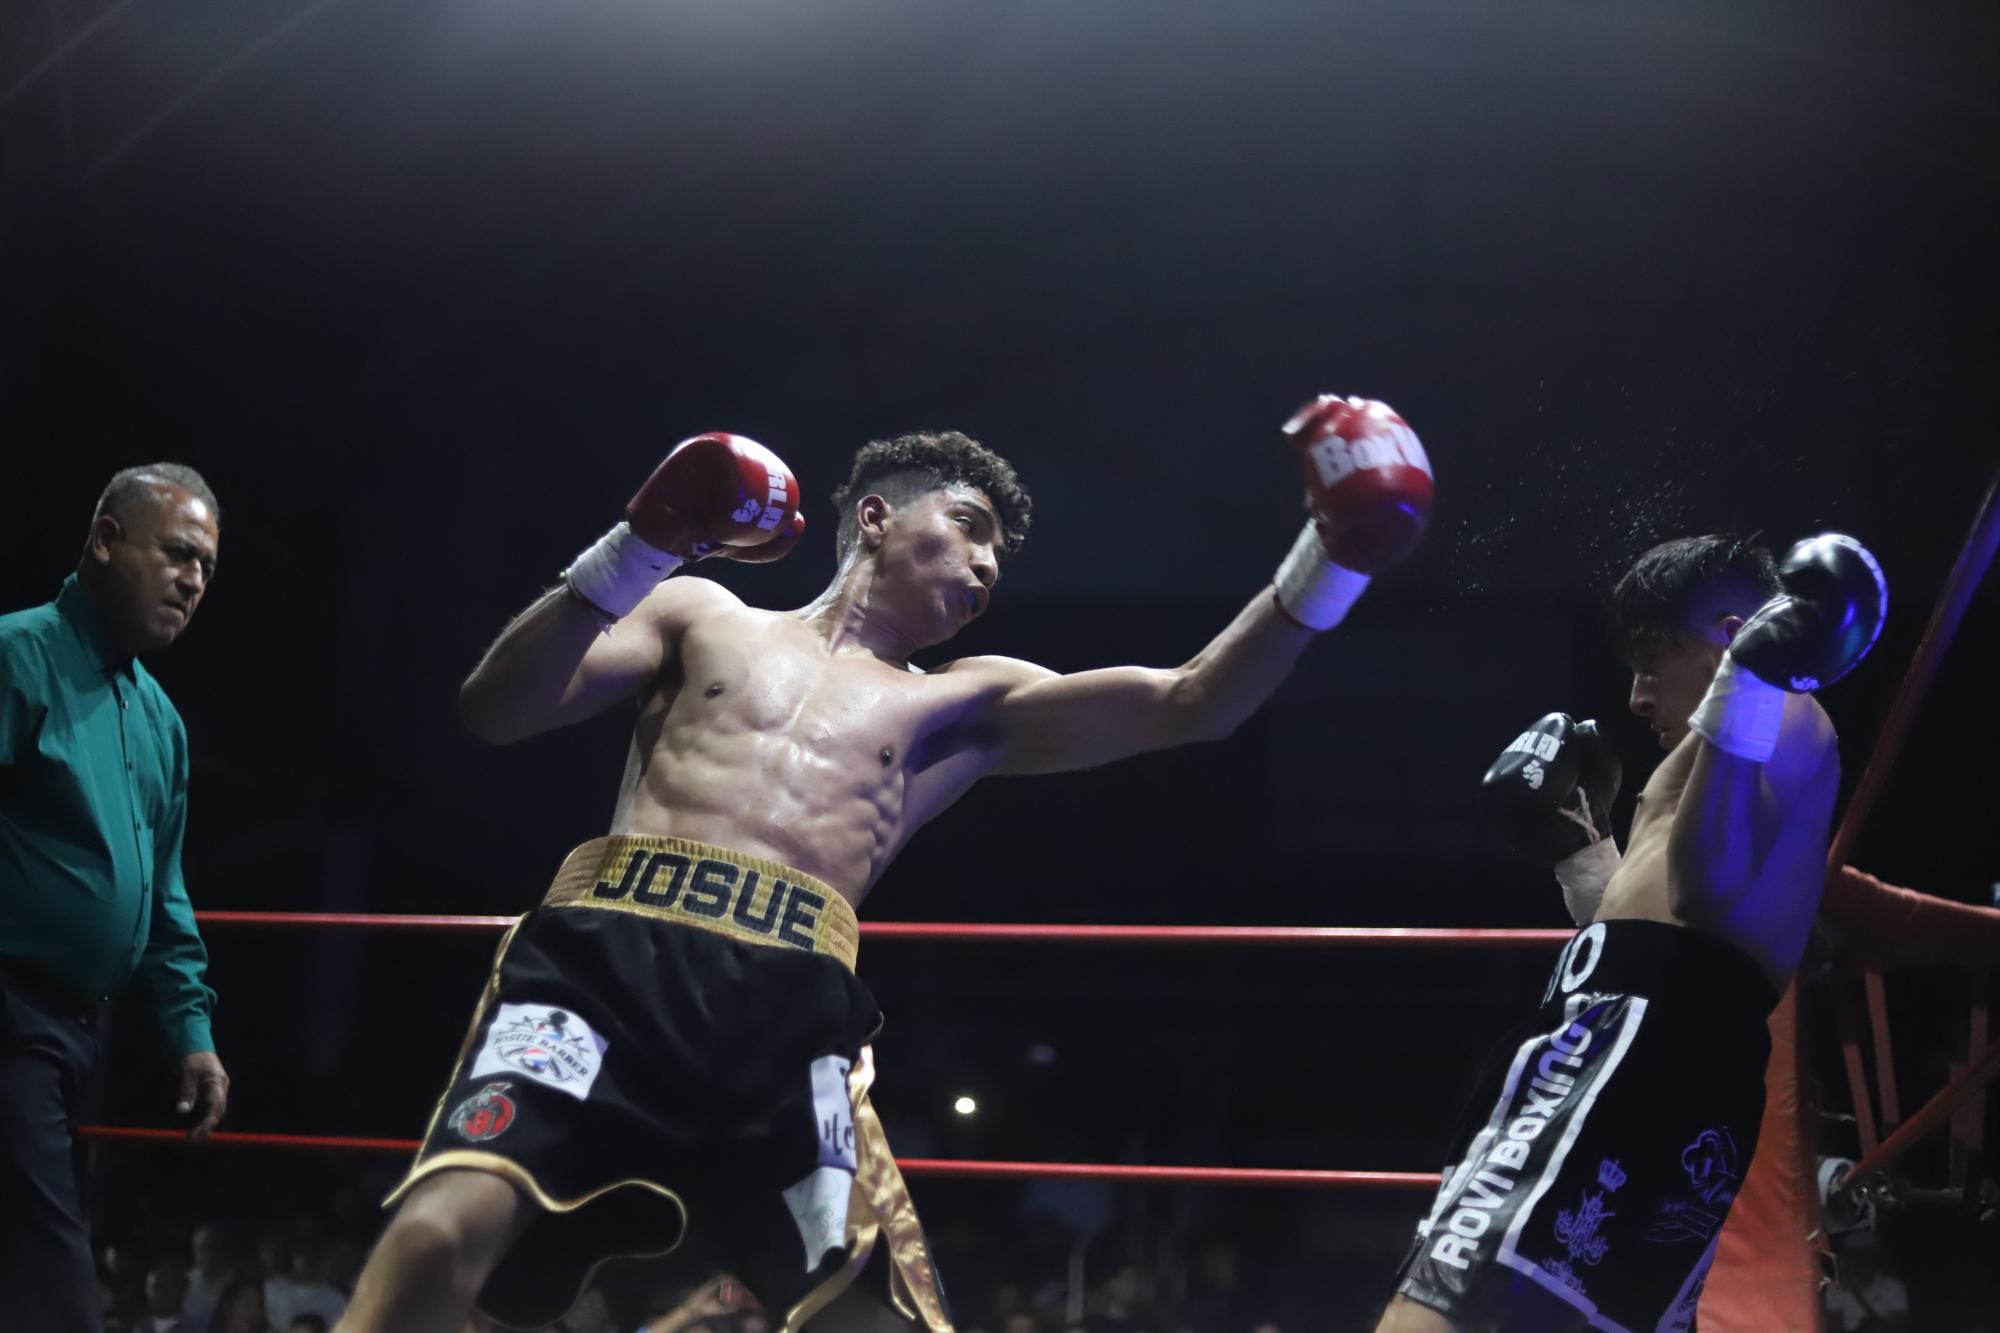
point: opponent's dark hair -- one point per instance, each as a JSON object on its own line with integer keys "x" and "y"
{"x": 1680, "y": 584}
{"x": 908, "y": 466}
{"x": 138, "y": 485}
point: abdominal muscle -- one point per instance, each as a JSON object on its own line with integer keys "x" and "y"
{"x": 799, "y": 759}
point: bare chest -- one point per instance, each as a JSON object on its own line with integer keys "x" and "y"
{"x": 749, "y": 679}
{"x": 1661, "y": 797}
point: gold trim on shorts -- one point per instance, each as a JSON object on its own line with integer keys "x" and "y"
{"x": 879, "y": 1209}
{"x": 459, "y": 1159}
{"x": 710, "y": 888}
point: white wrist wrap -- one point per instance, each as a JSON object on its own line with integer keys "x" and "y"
{"x": 1313, "y": 590}
{"x": 1583, "y": 877}
{"x": 617, "y": 571}
{"x": 1740, "y": 714}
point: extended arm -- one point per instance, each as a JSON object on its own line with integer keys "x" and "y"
{"x": 1368, "y": 489}
{"x": 1045, "y": 723}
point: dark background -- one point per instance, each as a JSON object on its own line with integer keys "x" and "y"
{"x": 425, "y": 290}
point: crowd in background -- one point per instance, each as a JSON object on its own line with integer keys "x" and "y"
{"x": 261, "y": 1262}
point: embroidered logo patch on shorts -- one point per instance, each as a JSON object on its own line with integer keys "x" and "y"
{"x": 551, "y": 1046}
{"x": 484, "y": 1115}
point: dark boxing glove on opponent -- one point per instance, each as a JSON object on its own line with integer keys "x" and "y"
{"x": 716, "y": 494}
{"x": 1550, "y": 792}
{"x": 1368, "y": 490}
{"x": 1811, "y": 634}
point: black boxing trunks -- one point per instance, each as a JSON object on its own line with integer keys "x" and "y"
{"x": 676, "y": 1039}
{"x": 1599, "y": 1160}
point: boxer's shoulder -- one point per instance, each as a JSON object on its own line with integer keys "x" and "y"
{"x": 997, "y": 674}
{"x": 686, "y": 599}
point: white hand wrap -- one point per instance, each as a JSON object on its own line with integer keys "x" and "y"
{"x": 618, "y": 570}
{"x": 1313, "y": 590}
{"x": 1740, "y": 714}
{"x": 1583, "y": 877}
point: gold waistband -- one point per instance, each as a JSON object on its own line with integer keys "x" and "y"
{"x": 709, "y": 888}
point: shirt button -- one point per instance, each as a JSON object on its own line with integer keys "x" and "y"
{"x": 130, "y": 766}
{"x": 124, "y": 703}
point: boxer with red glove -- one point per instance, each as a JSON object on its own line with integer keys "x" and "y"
{"x": 716, "y": 494}
{"x": 678, "y": 1027}
{"x": 1368, "y": 497}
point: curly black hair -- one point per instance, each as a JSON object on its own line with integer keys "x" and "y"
{"x": 907, "y": 466}
{"x": 1679, "y": 583}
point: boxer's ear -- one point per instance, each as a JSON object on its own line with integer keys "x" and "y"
{"x": 872, "y": 519}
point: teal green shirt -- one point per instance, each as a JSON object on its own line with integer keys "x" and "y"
{"x": 93, "y": 803}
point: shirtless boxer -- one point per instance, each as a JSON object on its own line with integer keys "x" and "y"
{"x": 1597, "y": 1164}
{"x": 676, "y": 1036}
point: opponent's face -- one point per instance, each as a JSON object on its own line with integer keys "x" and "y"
{"x": 939, "y": 557}
{"x": 1671, "y": 674}
{"x": 154, "y": 562}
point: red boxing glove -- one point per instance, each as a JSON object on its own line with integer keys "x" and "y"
{"x": 715, "y": 490}
{"x": 1368, "y": 482}
{"x": 775, "y": 549}
{"x": 716, "y": 494}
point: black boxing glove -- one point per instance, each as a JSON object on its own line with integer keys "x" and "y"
{"x": 1550, "y": 793}
{"x": 1811, "y": 634}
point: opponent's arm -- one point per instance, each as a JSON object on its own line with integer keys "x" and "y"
{"x": 612, "y": 624}
{"x": 1368, "y": 490}
{"x": 1762, "y": 743}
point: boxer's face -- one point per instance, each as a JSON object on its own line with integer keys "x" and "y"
{"x": 1670, "y": 674}
{"x": 939, "y": 555}
{"x": 154, "y": 560}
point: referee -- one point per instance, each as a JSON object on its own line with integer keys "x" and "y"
{"x": 93, "y": 804}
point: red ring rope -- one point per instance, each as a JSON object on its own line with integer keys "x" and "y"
{"x": 942, "y": 931}
{"x": 972, "y": 932}
{"x": 912, "y": 1166}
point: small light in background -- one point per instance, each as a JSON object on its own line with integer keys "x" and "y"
{"x": 1041, "y": 1053}
{"x": 965, "y": 1106}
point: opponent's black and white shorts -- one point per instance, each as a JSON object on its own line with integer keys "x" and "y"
{"x": 1599, "y": 1161}
{"x": 676, "y": 1039}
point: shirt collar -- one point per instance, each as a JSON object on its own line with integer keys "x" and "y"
{"x": 81, "y": 613}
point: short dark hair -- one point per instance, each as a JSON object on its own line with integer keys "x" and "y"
{"x": 136, "y": 485}
{"x": 907, "y": 466}
{"x": 1682, "y": 582}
